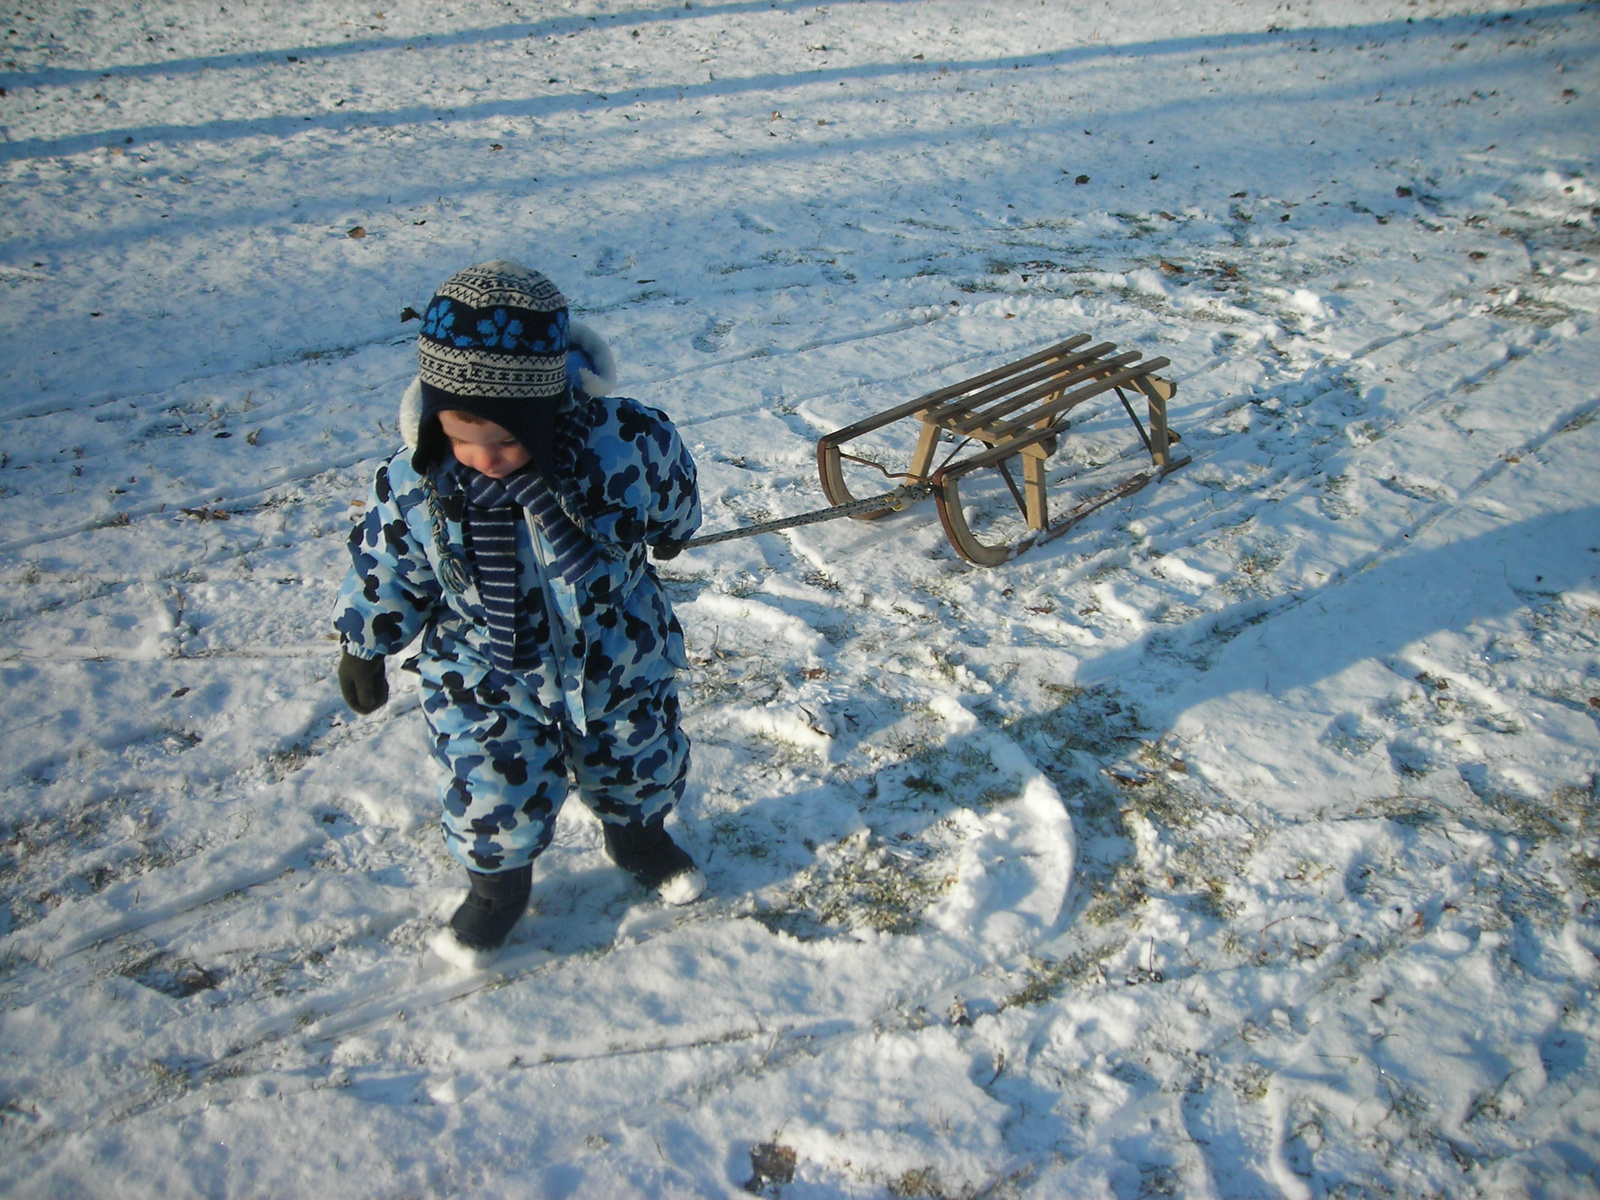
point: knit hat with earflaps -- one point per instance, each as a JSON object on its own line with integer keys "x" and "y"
{"x": 493, "y": 344}
{"x": 591, "y": 372}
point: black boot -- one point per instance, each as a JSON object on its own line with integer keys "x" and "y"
{"x": 648, "y": 853}
{"x": 492, "y": 907}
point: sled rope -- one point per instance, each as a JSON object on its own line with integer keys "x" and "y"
{"x": 888, "y": 502}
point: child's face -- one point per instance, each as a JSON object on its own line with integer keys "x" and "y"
{"x": 483, "y": 446}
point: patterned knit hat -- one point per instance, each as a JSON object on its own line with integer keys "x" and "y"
{"x": 494, "y": 344}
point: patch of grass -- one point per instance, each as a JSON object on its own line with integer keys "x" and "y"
{"x": 43, "y": 858}
{"x": 919, "y": 1181}
{"x": 1255, "y": 566}
{"x": 1212, "y": 901}
{"x": 172, "y": 976}
{"x": 1119, "y": 898}
{"x": 1585, "y": 868}
{"x": 1047, "y": 978}
{"x": 1251, "y": 1083}
{"x": 733, "y": 835}
{"x": 172, "y": 1079}
{"x": 821, "y": 579}
{"x": 1061, "y": 693}
{"x": 1570, "y": 811}
{"x": 1159, "y": 1179}
{"x": 860, "y": 883}
{"x": 716, "y": 675}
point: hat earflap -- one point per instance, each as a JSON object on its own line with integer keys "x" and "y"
{"x": 411, "y": 414}
{"x": 596, "y": 371}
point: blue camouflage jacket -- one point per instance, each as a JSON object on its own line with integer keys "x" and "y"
{"x": 603, "y": 635}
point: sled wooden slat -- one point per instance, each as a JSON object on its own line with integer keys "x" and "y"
{"x": 1059, "y": 403}
{"x": 965, "y": 408}
{"x": 1020, "y": 410}
{"x": 932, "y": 399}
{"x": 985, "y": 423}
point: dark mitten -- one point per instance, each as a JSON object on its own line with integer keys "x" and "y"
{"x": 665, "y": 550}
{"x": 362, "y": 683}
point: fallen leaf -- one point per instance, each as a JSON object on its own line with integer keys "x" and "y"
{"x": 409, "y": 314}
{"x": 1081, "y": 179}
{"x": 772, "y": 1164}
{"x": 356, "y": 231}
{"x": 1129, "y": 780}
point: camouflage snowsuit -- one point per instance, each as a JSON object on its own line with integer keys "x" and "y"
{"x": 600, "y": 699}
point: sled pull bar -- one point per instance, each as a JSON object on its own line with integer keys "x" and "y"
{"x": 878, "y": 505}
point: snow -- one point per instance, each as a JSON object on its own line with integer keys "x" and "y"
{"x": 1242, "y": 842}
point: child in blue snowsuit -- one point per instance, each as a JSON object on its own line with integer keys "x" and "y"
{"x": 511, "y": 534}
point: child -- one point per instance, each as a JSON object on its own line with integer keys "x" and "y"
{"x": 510, "y": 534}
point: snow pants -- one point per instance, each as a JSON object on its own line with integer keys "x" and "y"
{"x": 506, "y": 757}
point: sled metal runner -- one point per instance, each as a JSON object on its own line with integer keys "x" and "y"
{"x": 1017, "y": 411}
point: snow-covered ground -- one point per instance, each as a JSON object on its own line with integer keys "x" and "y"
{"x": 1243, "y": 842}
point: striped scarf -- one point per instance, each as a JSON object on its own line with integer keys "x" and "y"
{"x": 494, "y": 506}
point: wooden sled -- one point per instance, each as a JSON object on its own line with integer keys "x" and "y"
{"x": 1020, "y": 410}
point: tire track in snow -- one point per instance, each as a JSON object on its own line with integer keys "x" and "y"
{"x": 1280, "y": 485}
{"x": 306, "y": 471}
{"x": 1240, "y": 617}
{"x": 98, "y": 925}
{"x": 100, "y": 400}
{"x": 301, "y": 473}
